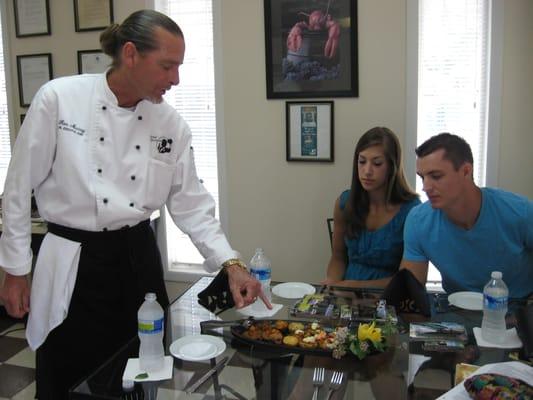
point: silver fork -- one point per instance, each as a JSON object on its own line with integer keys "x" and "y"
{"x": 335, "y": 384}
{"x": 318, "y": 380}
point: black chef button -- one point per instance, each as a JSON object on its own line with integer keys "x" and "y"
{"x": 105, "y": 229}
{"x": 101, "y": 139}
{"x": 131, "y": 204}
{"x": 104, "y": 108}
{"x": 133, "y": 177}
{"x": 105, "y": 201}
{"x": 140, "y": 117}
{"x": 138, "y": 147}
{"x": 99, "y": 170}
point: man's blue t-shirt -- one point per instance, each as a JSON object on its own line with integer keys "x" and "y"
{"x": 500, "y": 240}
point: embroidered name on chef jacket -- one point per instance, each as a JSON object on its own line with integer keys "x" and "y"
{"x": 162, "y": 144}
{"x": 66, "y": 127}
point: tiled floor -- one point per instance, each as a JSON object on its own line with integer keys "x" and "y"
{"x": 17, "y": 361}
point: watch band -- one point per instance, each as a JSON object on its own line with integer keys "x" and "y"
{"x": 234, "y": 261}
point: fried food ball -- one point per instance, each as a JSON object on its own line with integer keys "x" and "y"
{"x": 308, "y": 342}
{"x": 295, "y": 326}
{"x": 290, "y": 340}
{"x": 273, "y": 335}
{"x": 281, "y": 325}
{"x": 253, "y": 333}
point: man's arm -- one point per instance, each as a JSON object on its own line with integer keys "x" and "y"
{"x": 418, "y": 269}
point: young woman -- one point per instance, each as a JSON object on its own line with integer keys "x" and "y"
{"x": 369, "y": 218}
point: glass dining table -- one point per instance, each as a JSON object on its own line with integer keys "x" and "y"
{"x": 404, "y": 371}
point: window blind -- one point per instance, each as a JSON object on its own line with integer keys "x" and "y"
{"x": 194, "y": 99}
{"x": 453, "y": 74}
{"x": 453, "y": 64}
{"x": 5, "y": 146}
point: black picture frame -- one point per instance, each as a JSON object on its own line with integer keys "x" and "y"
{"x": 310, "y": 131}
{"x": 31, "y": 18}
{"x": 93, "y": 61}
{"x": 311, "y": 71}
{"x": 92, "y": 15}
{"x": 34, "y": 70}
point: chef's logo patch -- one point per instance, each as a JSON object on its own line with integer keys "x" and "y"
{"x": 162, "y": 144}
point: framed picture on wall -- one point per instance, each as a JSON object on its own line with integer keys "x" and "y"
{"x": 93, "y": 61}
{"x": 311, "y": 48}
{"x": 32, "y": 18}
{"x": 309, "y": 131}
{"x": 34, "y": 70}
{"x": 92, "y": 15}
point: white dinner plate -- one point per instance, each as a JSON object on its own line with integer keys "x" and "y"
{"x": 197, "y": 347}
{"x": 293, "y": 290}
{"x": 467, "y": 300}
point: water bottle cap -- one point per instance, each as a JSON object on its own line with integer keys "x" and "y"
{"x": 150, "y": 296}
{"x": 496, "y": 275}
{"x": 258, "y": 250}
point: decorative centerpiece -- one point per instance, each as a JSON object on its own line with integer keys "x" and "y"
{"x": 368, "y": 339}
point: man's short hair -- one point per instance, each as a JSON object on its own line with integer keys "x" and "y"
{"x": 456, "y": 149}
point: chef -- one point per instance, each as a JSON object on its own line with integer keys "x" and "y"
{"x": 102, "y": 152}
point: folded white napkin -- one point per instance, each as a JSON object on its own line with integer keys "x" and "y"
{"x": 133, "y": 369}
{"x": 510, "y": 341}
{"x": 259, "y": 310}
{"x": 53, "y": 282}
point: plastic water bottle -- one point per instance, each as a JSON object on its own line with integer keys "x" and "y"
{"x": 261, "y": 269}
{"x": 151, "y": 324}
{"x": 495, "y": 297}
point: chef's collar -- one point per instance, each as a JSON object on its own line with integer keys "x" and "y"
{"x": 110, "y": 97}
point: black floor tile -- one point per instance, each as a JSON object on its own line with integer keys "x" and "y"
{"x": 13, "y": 379}
{"x": 10, "y": 346}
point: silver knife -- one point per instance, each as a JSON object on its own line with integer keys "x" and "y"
{"x": 206, "y": 376}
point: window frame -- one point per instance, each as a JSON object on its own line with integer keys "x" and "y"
{"x": 494, "y": 95}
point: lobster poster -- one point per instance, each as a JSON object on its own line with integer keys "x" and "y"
{"x": 311, "y": 48}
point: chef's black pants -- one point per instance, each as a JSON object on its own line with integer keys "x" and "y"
{"x": 115, "y": 271}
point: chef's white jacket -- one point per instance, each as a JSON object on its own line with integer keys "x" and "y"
{"x": 96, "y": 166}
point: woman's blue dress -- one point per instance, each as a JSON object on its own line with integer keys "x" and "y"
{"x": 376, "y": 254}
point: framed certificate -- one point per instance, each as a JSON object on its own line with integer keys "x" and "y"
{"x": 309, "y": 131}
{"x": 92, "y": 15}
{"x": 93, "y": 61}
{"x": 34, "y": 70}
{"x": 32, "y": 18}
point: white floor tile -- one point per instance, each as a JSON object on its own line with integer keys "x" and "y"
{"x": 20, "y": 333}
{"x": 27, "y": 393}
{"x": 24, "y": 358}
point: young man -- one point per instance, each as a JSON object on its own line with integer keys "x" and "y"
{"x": 464, "y": 230}
{"x": 102, "y": 152}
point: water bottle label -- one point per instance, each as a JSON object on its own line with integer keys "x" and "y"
{"x": 151, "y": 327}
{"x": 494, "y": 303}
{"x": 261, "y": 274}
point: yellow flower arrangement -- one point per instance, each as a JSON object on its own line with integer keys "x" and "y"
{"x": 370, "y": 332}
{"x": 368, "y": 339}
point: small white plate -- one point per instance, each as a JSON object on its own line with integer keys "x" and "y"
{"x": 293, "y": 290}
{"x": 197, "y": 347}
{"x": 467, "y": 300}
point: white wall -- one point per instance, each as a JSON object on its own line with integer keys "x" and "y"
{"x": 283, "y": 206}
{"x": 516, "y": 141}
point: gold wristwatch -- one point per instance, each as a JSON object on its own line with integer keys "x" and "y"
{"x": 234, "y": 261}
